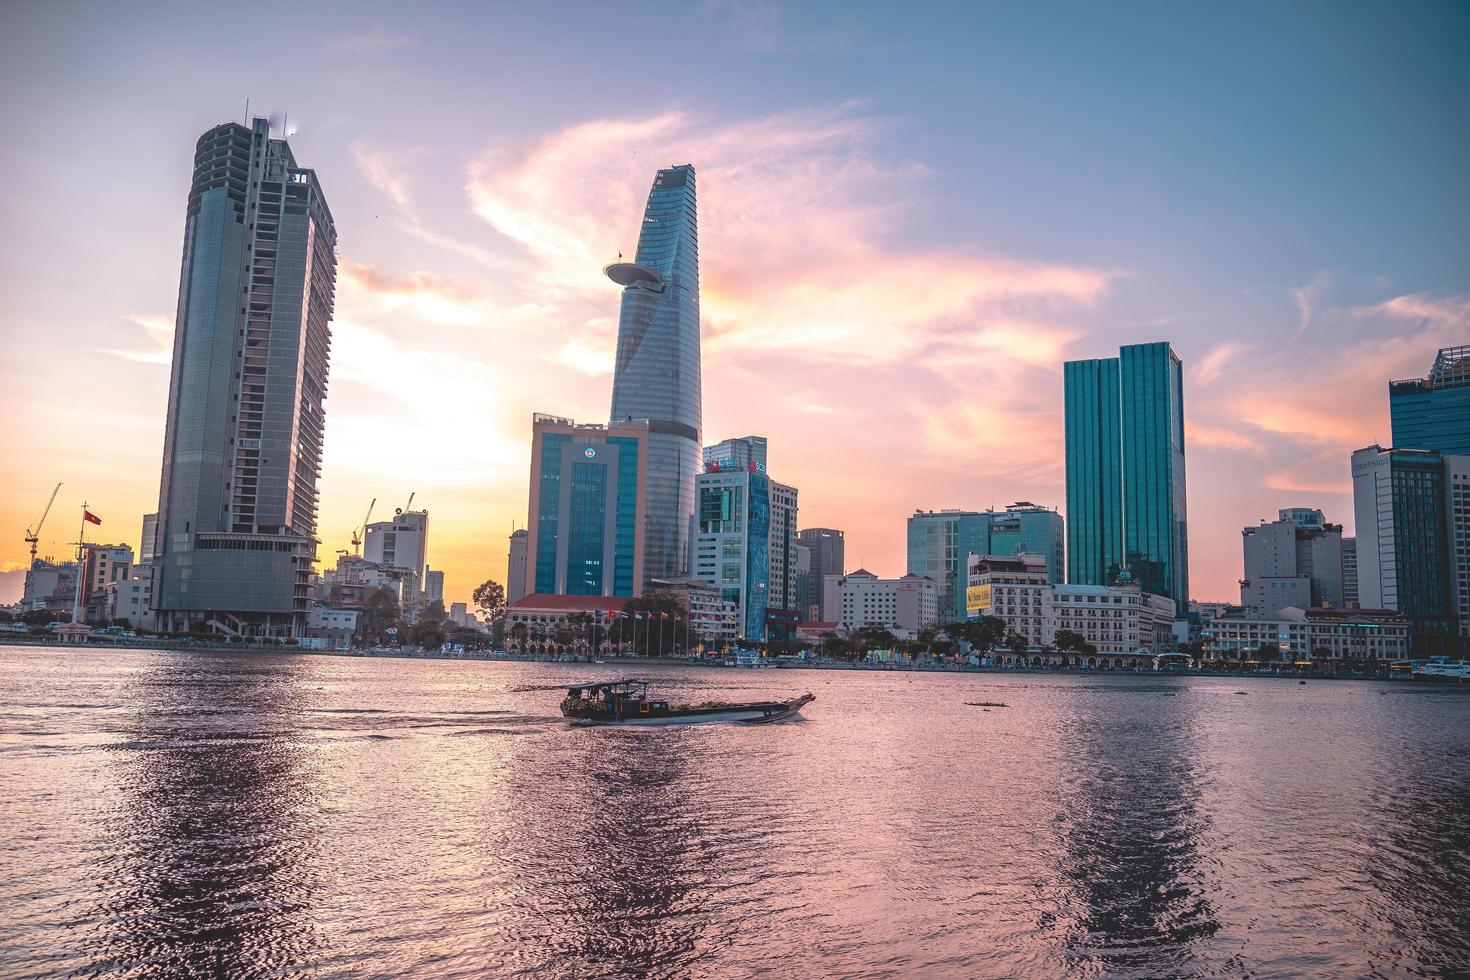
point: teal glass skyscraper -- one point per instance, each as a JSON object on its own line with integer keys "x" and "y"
{"x": 656, "y": 376}
{"x": 1125, "y": 471}
{"x": 1433, "y": 412}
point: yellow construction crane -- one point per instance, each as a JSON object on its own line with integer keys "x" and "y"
{"x": 356, "y": 539}
{"x": 33, "y": 533}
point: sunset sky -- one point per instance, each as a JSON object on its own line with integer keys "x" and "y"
{"x": 910, "y": 215}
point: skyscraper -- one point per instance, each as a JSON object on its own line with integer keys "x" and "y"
{"x": 1433, "y": 412}
{"x": 243, "y": 439}
{"x": 733, "y": 542}
{"x": 1125, "y": 471}
{"x": 828, "y": 557}
{"x": 1412, "y": 509}
{"x": 515, "y": 567}
{"x": 656, "y": 375}
{"x": 586, "y": 508}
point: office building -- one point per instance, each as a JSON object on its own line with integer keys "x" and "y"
{"x": 1404, "y": 502}
{"x": 131, "y": 598}
{"x": 587, "y": 508}
{"x": 828, "y": 557}
{"x": 1350, "y": 573}
{"x": 805, "y": 596}
{"x": 1125, "y": 471}
{"x": 732, "y": 542}
{"x": 433, "y": 586}
{"x": 742, "y": 452}
{"x": 656, "y": 373}
{"x": 515, "y": 567}
{"x": 939, "y": 545}
{"x": 148, "y": 540}
{"x": 1433, "y": 412}
{"x": 237, "y": 507}
{"x": 460, "y": 615}
{"x": 1295, "y": 560}
{"x": 901, "y": 605}
{"x": 941, "y": 542}
{"x": 1024, "y": 528}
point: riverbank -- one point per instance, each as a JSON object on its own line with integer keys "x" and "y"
{"x": 639, "y": 663}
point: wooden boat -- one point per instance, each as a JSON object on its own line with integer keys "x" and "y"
{"x": 628, "y": 702}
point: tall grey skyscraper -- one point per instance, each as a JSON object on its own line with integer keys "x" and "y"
{"x": 828, "y": 557}
{"x": 515, "y": 567}
{"x": 1125, "y": 471}
{"x": 656, "y": 374}
{"x": 243, "y": 439}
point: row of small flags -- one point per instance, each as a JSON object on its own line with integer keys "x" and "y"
{"x": 662, "y": 615}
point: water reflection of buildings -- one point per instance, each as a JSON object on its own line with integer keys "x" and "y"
{"x": 210, "y": 875}
{"x": 1132, "y": 874}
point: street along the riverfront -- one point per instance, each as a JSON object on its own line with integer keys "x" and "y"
{"x": 275, "y": 814}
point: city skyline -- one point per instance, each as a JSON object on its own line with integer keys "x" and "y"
{"x": 858, "y": 310}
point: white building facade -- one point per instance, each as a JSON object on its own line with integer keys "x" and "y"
{"x": 865, "y": 601}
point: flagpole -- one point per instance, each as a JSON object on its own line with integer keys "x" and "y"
{"x": 76, "y": 609}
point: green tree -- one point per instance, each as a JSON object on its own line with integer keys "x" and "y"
{"x": 379, "y": 613}
{"x": 927, "y": 635}
{"x": 1016, "y": 643}
{"x": 489, "y": 598}
{"x": 1268, "y": 653}
{"x": 433, "y": 611}
{"x": 518, "y": 633}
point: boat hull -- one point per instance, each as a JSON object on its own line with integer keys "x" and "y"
{"x": 746, "y": 714}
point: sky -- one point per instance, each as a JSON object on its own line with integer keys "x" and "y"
{"x": 910, "y": 216}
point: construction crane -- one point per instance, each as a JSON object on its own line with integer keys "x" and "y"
{"x": 408, "y": 506}
{"x": 356, "y": 540}
{"x": 33, "y": 533}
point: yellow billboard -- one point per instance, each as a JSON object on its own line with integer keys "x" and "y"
{"x": 977, "y": 597}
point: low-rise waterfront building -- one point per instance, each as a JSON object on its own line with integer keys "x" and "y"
{"x": 865, "y": 601}
{"x": 1119, "y": 620}
{"x": 329, "y": 629}
{"x": 711, "y": 615}
{"x": 1316, "y": 636}
{"x": 1016, "y": 589}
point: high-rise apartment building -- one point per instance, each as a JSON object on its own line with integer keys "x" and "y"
{"x": 1125, "y": 471}
{"x": 515, "y": 567}
{"x": 243, "y": 439}
{"x": 828, "y": 557}
{"x": 656, "y": 374}
{"x": 584, "y": 528}
{"x": 1433, "y": 412}
{"x": 1295, "y": 560}
{"x": 1409, "y": 525}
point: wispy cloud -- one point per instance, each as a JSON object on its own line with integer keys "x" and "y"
{"x": 371, "y": 41}
{"x": 157, "y": 340}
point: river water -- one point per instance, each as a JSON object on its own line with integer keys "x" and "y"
{"x": 260, "y": 815}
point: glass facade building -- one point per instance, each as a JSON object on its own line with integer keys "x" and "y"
{"x": 1433, "y": 412}
{"x": 1125, "y": 471}
{"x": 586, "y": 508}
{"x": 1409, "y": 530}
{"x": 732, "y": 542}
{"x": 941, "y": 542}
{"x": 243, "y": 436}
{"x": 656, "y": 375}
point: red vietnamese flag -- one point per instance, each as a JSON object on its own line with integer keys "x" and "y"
{"x": 90, "y": 517}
